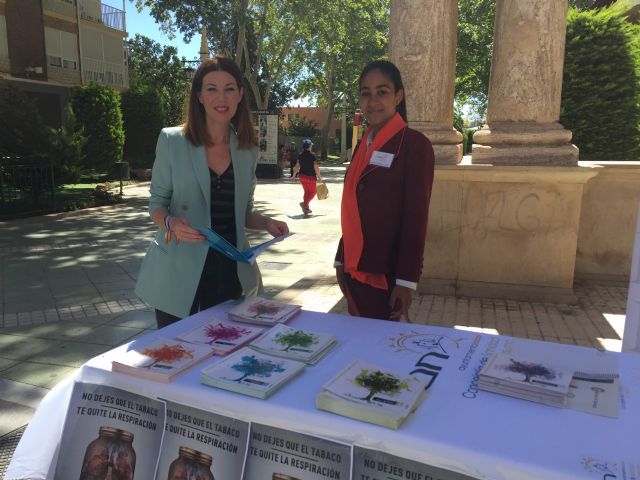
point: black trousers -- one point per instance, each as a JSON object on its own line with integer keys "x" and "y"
{"x": 218, "y": 283}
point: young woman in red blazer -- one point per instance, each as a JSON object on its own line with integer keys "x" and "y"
{"x": 385, "y": 202}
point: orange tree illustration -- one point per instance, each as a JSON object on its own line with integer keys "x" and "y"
{"x": 167, "y": 354}
{"x": 251, "y": 366}
{"x": 264, "y": 308}
{"x": 376, "y": 381}
{"x": 295, "y": 338}
{"x": 530, "y": 370}
{"x": 224, "y": 332}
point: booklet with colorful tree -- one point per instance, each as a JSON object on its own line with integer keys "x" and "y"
{"x": 223, "y": 336}
{"x": 217, "y": 242}
{"x": 160, "y": 360}
{"x": 286, "y": 342}
{"x": 250, "y": 373}
{"x": 260, "y": 311}
{"x": 372, "y": 394}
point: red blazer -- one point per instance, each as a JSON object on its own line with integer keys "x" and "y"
{"x": 394, "y": 208}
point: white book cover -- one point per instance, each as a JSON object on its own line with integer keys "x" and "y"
{"x": 162, "y": 358}
{"x": 285, "y": 341}
{"x": 528, "y": 373}
{"x": 372, "y": 386}
{"x": 223, "y": 336}
{"x": 247, "y": 369}
{"x": 263, "y": 311}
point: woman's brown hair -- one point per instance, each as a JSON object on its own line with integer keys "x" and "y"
{"x": 195, "y": 128}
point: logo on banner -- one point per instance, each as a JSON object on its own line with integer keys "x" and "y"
{"x": 424, "y": 342}
{"x": 601, "y": 469}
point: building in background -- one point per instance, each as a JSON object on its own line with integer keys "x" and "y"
{"x": 49, "y": 46}
{"x": 310, "y": 114}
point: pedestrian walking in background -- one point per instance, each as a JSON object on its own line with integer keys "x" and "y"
{"x": 385, "y": 202}
{"x": 308, "y": 171}
{"x": 203, "y": 176}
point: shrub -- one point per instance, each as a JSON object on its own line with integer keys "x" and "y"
{"x": 97, "y": 109}
{"x": 143, "y": 118}
{"x": 600, "y": 87}
{"x": 67, "y": 149}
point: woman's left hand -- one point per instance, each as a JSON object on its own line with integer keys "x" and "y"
{"x": 276, "y": 227}
{"x": 400, "y": 302}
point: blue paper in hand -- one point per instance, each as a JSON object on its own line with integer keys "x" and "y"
{"x": 215, "y": 241}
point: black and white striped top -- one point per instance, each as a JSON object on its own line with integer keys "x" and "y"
{"x": 223, "y": 218}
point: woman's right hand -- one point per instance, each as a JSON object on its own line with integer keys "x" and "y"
{"x": 183, "y": 231}
{"x": 340, "y": 279}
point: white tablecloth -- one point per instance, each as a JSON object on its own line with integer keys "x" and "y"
{"x": 458, "y": 428}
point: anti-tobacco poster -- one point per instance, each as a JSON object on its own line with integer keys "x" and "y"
{"x": 110, "y": 433}
{"x": 376, "y": 465}
{"x": 197, "y": 443}
{"x": 277, "y": 454}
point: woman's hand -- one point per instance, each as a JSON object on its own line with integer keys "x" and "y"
{"x": 400, "y": 302}
{"x": 340, "y": 279}
{"x": 276, "y": 227}
{"x": 184, "y": 232}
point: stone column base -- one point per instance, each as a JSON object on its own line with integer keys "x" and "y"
{"x": 446, "y": 141}
{"x": 524, "y": 143}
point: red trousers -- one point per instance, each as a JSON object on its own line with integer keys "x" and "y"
{"x": 309, "y": 187}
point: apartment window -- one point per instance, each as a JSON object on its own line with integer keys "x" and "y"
{"x": 62, "y": 48}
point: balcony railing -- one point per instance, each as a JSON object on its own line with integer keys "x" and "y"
{"x": 96, "y": 11}
{"x": 106, "y": 73}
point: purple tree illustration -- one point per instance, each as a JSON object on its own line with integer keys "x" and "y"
{"x": 224, "y": 332}
{"x": 264, "y": 309}
{"x": 530, "y": 370}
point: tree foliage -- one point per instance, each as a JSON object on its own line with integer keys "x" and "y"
{"x": 376, "y": 381}
{"x": 300, "y": 127}
{"x": 156, "y": 67}
{"x": 97, "y": 109}
{"x": 252, "y": 366}
{"x": 143, "y": 118}
{"x": 67, "y": 149}
{"x": 600, "y": 94}
{"x": 473, "y": 55}
{"x": 295, "y": 338}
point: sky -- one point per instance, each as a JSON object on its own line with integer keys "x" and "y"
{"x": 144, "y": 24}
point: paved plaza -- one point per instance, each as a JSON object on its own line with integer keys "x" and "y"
{"x": 67, "y": 291}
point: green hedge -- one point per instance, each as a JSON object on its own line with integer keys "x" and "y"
{"x": 601, "y": 85}
{"x": 97, "y": 110}
{"x": 143, "y": 118}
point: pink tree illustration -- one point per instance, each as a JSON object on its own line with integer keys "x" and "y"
{"x": 264, "y": 309}
{"x": 224, "y": 332}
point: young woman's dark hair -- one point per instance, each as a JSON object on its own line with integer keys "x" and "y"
{"x": 390, "y": 70}
{"x": 195, "y": 128}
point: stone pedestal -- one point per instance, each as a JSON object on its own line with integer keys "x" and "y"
{"x": 422, "y": 43}
{"x": 525, "y": 88}
{"x": 504, "y": 232}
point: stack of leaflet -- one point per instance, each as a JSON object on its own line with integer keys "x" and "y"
{"x": 222, "y": 336}
{"x": 295, "y": 344}
{"x": 526, "y": 378}
{"x": 161, "y": 360}
{"x": 250, "y": 373}
{"x": 372, "y": 394}
{"x": 260, "y": 311}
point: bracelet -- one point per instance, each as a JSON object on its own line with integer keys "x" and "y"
{"x": 167, "y": 222}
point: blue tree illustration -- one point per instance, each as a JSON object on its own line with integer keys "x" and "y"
{"x": 250, "y": 365}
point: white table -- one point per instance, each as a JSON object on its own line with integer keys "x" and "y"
{"x": 458, "y": 428}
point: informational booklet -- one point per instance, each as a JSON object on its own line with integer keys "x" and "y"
{"x": 250, "y": 373}
{"x": 110, "y": 433}
{"x": 223, "y": 336}
{"x": 160, "y": 360}
{"x": 302, "y": 345}
{"x": 201, "y": 444}
{"x": 534, "y": 379}
{"x": 598, "y": 394}
{"x": 260, "y": 311}
{"x": 217, "y": 242}
{"x": 372, "y": 394}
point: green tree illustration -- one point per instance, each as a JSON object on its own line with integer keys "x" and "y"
{"x": 295, "y": 338}
{"x": 376, "y": 381}
{"x": 250, "y": 365}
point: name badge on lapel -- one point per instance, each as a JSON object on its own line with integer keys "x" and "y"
{"x": 381, "y": 159}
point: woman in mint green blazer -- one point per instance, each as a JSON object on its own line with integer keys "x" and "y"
{"x": 203, "y": 176}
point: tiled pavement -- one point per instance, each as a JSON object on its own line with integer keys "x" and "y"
{"x": 66, "y": 290}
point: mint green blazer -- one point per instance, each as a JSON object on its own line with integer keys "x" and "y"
{"x": 180, "y": 182}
